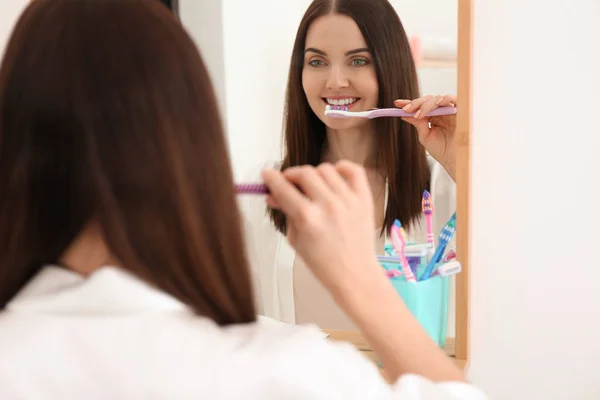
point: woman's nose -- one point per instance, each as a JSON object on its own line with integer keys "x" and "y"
{"x": 337, "y": 79}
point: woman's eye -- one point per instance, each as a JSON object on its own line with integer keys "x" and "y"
{"x": 316, "y": 63}
{"x": 358, "y": 62}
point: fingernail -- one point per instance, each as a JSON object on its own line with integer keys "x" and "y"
{"x": 406, "y": 107}
{"x": 400, "y": 101}
{"x": 418, "y": 114}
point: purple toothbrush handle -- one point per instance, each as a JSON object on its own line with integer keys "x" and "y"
{"x": 397, "y": 112}
{"x": 251, "y": 188}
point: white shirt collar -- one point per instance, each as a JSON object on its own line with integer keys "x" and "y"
{"x": 108, "y": 291}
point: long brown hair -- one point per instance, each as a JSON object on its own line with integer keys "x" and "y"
{"x": 399, "y": 153}
{"x": 107, "y": 113}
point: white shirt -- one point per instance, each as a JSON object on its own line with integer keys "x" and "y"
{"x": 273, "y": 259}
{"x": 112, "y": 336}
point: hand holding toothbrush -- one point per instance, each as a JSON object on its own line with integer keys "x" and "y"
{"x": 330, "y": 221}
{"x": 436, "y": 134}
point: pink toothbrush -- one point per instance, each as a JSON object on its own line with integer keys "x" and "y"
{"x": 343, "y": 112}
{"x": 399, "y": 244}
{"x": 251, "y": 188}
{"x": 393, "y": 273}
{"x": 427, "y": 206}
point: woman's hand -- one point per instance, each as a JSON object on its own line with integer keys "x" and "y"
{"x": 436, "y": 134}
{"x": 329, "y": 211}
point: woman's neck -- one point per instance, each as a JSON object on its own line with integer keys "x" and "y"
{"x": 88, "y": 252}
{"x": 356, "y": 145}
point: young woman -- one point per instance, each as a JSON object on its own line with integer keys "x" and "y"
{"x": 122, "y": 270}
{"x": 353, "y": 53}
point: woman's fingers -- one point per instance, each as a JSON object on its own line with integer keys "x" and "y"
{"x": 293, "y": 189}
{"x": 355, "y": 175}
{"x": 310, "y": 182}
{"x": 401, "y": 103}
{"x": 335, "y": 181}
{"x": 427, "y": 106}
{"x": 284, "y": 195}
{"x": 447, "y": 100}
{"x": 416, "y": 104}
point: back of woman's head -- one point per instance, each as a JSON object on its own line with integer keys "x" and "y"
{"x": 107, "y": 114}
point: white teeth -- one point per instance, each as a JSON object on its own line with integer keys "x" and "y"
{"x": 341, "y": 102}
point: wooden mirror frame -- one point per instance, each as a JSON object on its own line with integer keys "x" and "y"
{"x": 463, "y": 178}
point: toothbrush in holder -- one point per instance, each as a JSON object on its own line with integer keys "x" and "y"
{"x": 445, "y": 237}
{"x": 401, "y": 230}
{"x": 344, "y": 112}
{"x": 451, "y": 255}
{"x": 399, "y": 244}
{"x": 427, "y": 206}
{"x": 398, "y": 224}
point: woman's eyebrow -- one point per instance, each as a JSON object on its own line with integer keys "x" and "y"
{"x": 356, "y": 51}
{"x": 348, "y": 53}
{"x": 313, "y": 50}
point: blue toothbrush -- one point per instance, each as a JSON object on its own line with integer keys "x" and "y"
{"x": 443, "y": 240}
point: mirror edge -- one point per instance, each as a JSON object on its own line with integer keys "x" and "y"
{"x": 463, "y": 177}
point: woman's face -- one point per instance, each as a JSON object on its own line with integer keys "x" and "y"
{"x": 338, "y": 70}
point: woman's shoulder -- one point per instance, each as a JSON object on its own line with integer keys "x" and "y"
{"x": 432, "y": 163}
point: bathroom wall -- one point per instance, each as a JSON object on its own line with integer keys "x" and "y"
{"x": 535, "y": 282}
{"x": 9, "y": 12}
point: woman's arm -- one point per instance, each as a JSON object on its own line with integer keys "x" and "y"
{"x": 450, "y": 165}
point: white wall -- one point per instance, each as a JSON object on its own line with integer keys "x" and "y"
{"x": 9, "y": 12}
{"x": 199, "y": 18}
{"x": 428, "y": 17}
{"x": 535, "y": 328}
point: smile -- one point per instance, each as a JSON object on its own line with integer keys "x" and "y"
{"x": 341, "y": 101}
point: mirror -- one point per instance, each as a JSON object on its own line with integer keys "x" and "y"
{"x": 248, "y": 53}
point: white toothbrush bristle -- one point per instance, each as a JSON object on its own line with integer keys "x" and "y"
{"x": 335, "y": 111}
